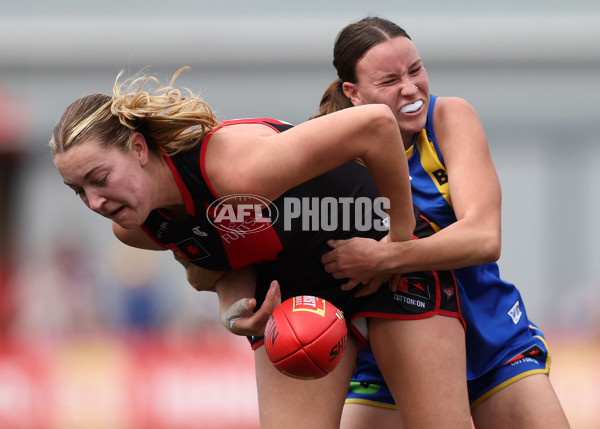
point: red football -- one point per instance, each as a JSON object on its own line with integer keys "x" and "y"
{"x": 305, "y": 337}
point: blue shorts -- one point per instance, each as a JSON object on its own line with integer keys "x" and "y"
{"x": 369, "y": 388}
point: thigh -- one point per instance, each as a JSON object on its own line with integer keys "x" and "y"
{"x": 360, "y": 416}
{"x": 285, "y": 402}
{"x": 527, "y": 403}
{"x": 424, "y": 364}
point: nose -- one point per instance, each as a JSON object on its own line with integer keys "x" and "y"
{"x": 409, "y": 89}
{"x": 94, "y": 200}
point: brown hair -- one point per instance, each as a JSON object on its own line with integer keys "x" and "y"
{"x": 164, "y": 116}
{"x": 351, "y": 44}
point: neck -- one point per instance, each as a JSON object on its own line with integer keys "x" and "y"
{"x": 168, "y": 197}
{"x": 407, "y": 139}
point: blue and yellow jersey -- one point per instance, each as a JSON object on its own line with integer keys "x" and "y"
{"x": 428, "y": 175}
{"x": 492, "y": 308}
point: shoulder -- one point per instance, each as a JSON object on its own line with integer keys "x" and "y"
{"x": 249, "y": 127}
{"x": 452, "y": 115}
{"x": 447, "y": 108}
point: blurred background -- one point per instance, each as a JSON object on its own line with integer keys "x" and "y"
{"x": 97, "y": 335}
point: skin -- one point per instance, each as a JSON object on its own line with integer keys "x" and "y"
{"x": 392, "y": 73}
{"x": 125, "y": 186}
{"x": 273, "y": 387}
{"x": 476, "y": 196}
{"x": 116, "y": 184}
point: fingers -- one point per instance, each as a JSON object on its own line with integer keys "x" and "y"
{"x": 236, "y": 311}
{"x": 372, "y": 285}
{"x": 334, "y": 244}
{"x": 350, "y": 285}
{"x": 253, "y": 323}
{"x": 395, "y": 282}
{"x": 273, "y": 296}
{"x": 330, "y": 257}
{"x": 272, "y": 300}
{"x": 367, "y": 289}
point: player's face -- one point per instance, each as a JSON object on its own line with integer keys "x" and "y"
{"x": 392, "y": 73}
{"x": 109, "y": 181}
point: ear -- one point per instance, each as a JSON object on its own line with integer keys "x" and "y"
{"x": 139, "y": 147}
{"x": 351, "y": 91}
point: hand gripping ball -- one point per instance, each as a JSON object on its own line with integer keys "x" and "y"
{"x": 305, "y": 337}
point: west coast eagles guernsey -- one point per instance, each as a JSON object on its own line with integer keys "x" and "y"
{"x": 492, "y": 308}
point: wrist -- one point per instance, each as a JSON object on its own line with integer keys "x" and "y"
{"x": 391, "y": 259}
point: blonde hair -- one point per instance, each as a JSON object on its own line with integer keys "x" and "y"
{"x": 166, "y": 117}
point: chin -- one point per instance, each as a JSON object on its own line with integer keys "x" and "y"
{"x": 126, "y": 224}
{"x": 411, "y": 127}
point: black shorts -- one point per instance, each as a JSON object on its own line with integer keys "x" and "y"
{"x": 419, "y": 295}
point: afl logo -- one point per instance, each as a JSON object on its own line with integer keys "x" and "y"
{"x": 242, "y": 213}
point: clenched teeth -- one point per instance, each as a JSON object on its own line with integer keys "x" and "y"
{"x": 413, "y": 107}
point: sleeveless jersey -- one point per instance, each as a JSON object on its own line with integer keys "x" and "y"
{"x": 492, "y": 308}
{"x": 339, "y": 204}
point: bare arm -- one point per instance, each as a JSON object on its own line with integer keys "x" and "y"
{"x": 269, "y": 165}
{"x": 236, "y": 302}
{"x": 235, "y": 288}
{"x": 476, "y": 198}
{"x": 236, "y": 291}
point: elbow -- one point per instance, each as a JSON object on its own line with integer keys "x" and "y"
{"x": 377, "y": 121}
{"x": 383, "y": 119}
{"x": 492, "y": 248}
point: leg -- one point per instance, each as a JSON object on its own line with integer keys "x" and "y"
{"x": 528, "y": 403}
{"x": 359, "y": 416}
{"x": 285, "y": 402}
{"x": 424, "y": 364}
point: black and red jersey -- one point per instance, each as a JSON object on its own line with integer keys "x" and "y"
{"x": 289, "y": 240}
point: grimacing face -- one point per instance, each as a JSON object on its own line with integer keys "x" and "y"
{"x": 109, "y": 181}
{"x": 392, "y": 73}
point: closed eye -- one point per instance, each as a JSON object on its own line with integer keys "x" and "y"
{"x": 78, "y": 191}
{"x": 387, "y": 81}
{"x": 416, "y": 70}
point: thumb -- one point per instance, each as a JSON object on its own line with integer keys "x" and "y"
{"x": 240, "y": 308}
{"x": 273, "y": 298}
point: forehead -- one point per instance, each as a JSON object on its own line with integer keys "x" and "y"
{"x": 388, "y": 56}
{"x": 78, "y": 160}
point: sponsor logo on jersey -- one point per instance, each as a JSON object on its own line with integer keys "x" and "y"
{"x": 196, "y": 230}
{"x": 189, "y": 249}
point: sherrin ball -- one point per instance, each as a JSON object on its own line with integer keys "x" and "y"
{"x": 305, "y": 337}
